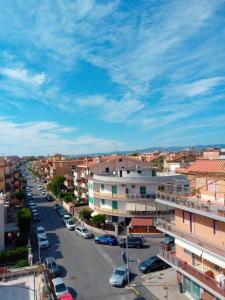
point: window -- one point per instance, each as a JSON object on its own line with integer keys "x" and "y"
{"x": 115, "y": 219}
{"x": 139, "y": 171}
{"x": 127, "y": 191}
{"x": 102, "y": 188}
{"x": 107, "y": 170}
{"x": 91, "y": 200}
{"x": 102, "y": 202}
{"x": 120, "y": 160}
{"x": 186, "y": 217}
{"x": 217, "y": 268}
{"x": 161, "y": 188}
{"x": 128, "y": 171}
{"x": 114, "y": 189}
{"x": 153, "y": 172}
{"x": 143, "y": 190}
{"x": 215, "y": 226}
{"x": 114, "y": 205}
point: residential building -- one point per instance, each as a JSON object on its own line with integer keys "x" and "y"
{"x": 126, "y": 188}
{"x": 198, "y": 229}
{"x": 180, "y": 160}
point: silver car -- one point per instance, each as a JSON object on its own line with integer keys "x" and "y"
{"x": 119, "y": 276}
{"x": 83, "y": 232}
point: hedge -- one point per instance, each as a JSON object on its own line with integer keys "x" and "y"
{"x": 22, "y": 263}
{"x": 13, "y": 255}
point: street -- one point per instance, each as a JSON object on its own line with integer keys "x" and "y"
{"x": 86, "y": 266}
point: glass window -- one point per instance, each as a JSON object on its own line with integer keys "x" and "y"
{"x": 153, "y": 172}
{"x": 91, "y": 200}
{"x": 142, "y": 190}
{"x": 102, "y": 188}
{"x": 114, "y": 205}
{"x": 102, "y": 202}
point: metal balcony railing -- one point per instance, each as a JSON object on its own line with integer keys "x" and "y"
{"x": 211, "y": 246}
{"x": 124, "y": 196}
{"x": 170, "y": 257}
{"x": 193, "y": 202}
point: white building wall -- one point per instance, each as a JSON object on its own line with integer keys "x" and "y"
{"x": 2, "y": 223}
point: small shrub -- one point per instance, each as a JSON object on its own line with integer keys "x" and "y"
{"x": 98, "y": 219}
{"x": 22, "y": 263}
{"x": 85, "y": 213}
{"x": 12, "y": 255}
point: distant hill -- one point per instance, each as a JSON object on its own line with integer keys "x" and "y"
{"x": 152, "y": 149}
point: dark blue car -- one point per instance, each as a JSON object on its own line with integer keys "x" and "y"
{"x": 106, "y": 239}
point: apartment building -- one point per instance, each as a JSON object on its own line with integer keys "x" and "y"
{"x": 198, "y": 229}
{"x": 125, "y": 189}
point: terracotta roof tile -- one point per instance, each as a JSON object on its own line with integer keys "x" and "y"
{"x": 207, "y": 166}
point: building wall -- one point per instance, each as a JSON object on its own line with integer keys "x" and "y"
{"x": 203, "y": 227}
{"x": 2, "y": 175}
{"x": 2, "y": 223}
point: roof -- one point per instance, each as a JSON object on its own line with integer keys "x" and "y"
{"x": 206, "y": 166}
{"x": 141, "y": 222}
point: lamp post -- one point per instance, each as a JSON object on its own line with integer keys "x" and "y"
{"x": 30, "y": 255}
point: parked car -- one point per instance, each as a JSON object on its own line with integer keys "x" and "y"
{"x": 151, "y": 264}
{"x": 42, "y": 242}
{"x": 70, "y": 224}
{"x": 61, "y": 212}
{"x": 119, "y": 276}
{"x": 40, "y": 231}
{"x": 65, "y": 218}
{"x": 32, "y": 205}
{"x": 106, "y": 239}
{"x": 43, "y": 193}
{"x": 34, "y": 211}
{"x": 36, "y": 217}
{"x": 57, "y": 206}
{"x": 169, "y": 240}
{"x": 133, "y": 242}
{"x": 49, "y": 198}
{"x": 83, "y": 232}
{"x": 59, "y": 287}
{"x": 51, "y": 265}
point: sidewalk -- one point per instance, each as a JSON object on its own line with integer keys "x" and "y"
{"x": 163, "y": 285}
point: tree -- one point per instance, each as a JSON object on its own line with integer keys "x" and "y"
{"x": 24, "y": 221}
{"x": 20, "y": 195}
{"x": 98, "y": 219}
{"x": 56, "y": 184}
{"x": 85, "y": 213}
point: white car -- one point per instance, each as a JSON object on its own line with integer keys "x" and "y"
{"x": 66, "y": 218}
{"x": 43, "y": 193}
{"x": 41, "y": 231}
{"x": 70, "y": 224}
{"x": 42, "y": 242}
{"x": 59, "y": 287}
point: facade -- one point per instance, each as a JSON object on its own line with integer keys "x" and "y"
{"x": 2, "y": 222}
{"x": 198, "y": 229}
{"x": 129, "y": 191}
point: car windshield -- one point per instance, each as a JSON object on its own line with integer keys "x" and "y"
{"x": 52, "y": 265}
{"x": 60, "y": 287}
{"x": 85, "y": 230}
{"x": 119, "y": 272}
{"x": 70, "y": 222}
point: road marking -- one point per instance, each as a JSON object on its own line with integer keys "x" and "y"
{"x": 107, "y": 258}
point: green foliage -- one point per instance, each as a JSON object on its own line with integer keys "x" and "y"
{"x": 134, "y": 154}
{"x": 56, "y": 184}
{"x": 24, "y": 220}
{"x": 67, "y": 196}
{"x": 98, "y": 219}
{"x": 22, "y": 263}
{"x": 8, "y": 256}
{"x": 85, "y": 213}
{"x": 20, "y": 195}
{"x": 21, "y": 241}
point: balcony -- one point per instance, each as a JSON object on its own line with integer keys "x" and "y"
{"x": 124, "y": 196}
{"x": 217, "y": 250}
{"x": 202, "y": 279}
{"x": 193, "y": 204}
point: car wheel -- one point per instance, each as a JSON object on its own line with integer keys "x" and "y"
{"x": 97, "y": 242}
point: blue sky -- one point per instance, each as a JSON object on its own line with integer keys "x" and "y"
{"x": 82, "y": 76}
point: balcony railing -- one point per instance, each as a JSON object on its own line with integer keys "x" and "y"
{"x": 170, "y": 258}
{"x": 193, "y": 238}
{"x": 123, "y": 196}
{"x": 193, "y": 202}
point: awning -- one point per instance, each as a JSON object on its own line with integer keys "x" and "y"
{"x": 188, "y": 247}
{"x": 141, "y": 222}
{"x": 214, "y": 260}
{"x": 95, "y": 213}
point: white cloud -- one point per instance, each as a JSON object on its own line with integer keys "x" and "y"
{"x": 24, "y": 75}
{"x": 47, "y": 138}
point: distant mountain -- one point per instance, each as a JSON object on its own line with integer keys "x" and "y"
{"x": 152, "y": 149}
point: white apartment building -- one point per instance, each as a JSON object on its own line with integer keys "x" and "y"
{"x": 130, "y": 192}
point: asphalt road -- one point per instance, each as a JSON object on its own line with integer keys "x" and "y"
{"x": 86, "y": 267}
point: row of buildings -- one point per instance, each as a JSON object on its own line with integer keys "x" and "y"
{"x": 185, "y": 200}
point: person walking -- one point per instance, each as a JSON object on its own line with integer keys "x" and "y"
{"x": 124, "y": 256}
